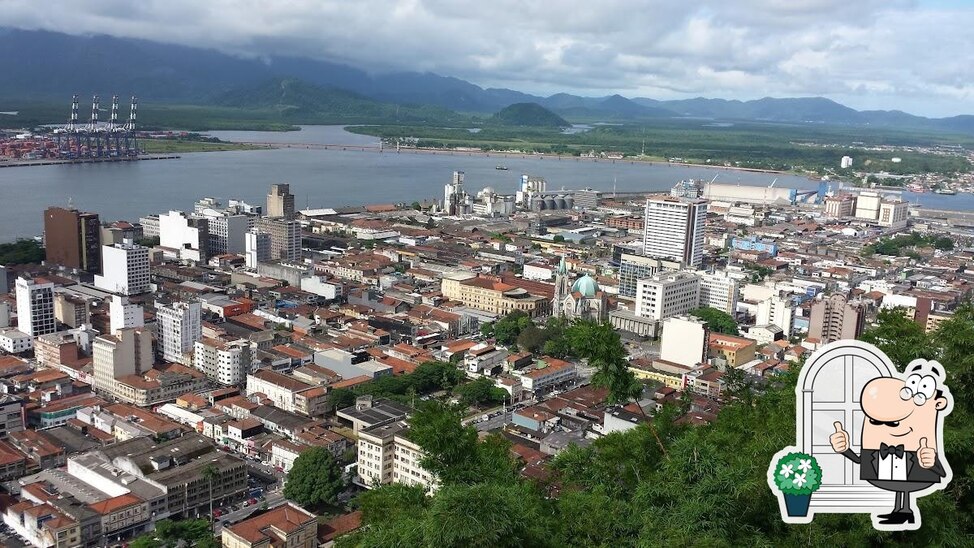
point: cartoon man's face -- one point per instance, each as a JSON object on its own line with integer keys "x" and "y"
{"x": 902, "y": 412}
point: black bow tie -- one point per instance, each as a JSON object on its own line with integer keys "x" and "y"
{"x": 887, "y": 450}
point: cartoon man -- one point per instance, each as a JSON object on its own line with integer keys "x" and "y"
{"x": 901, "y": 432}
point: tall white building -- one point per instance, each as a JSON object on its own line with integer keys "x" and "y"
{"x": 123, "y": 314}
{"x": 674, "y": 229}
{"x": 776, "y": 311}
{"x": 187, "y": 234}
{"x": 684, "y": 341}
{"x": 35, "y": 306}
{"x": 893, "y": 213}
{"x": 227, "y": 232}
{"x": 667, "y": 295}
{"x": 227, "y": 363}
{"x": 179, "y": 327}
{"x": 258, "y": 248}
{"x": 718, "y": 290}
{"x": 126, "y": 269}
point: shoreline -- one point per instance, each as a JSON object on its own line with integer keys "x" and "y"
{"x": 506, "y": 154}
{"x": 55, "y": 161}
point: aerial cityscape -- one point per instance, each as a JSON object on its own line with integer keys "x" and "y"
{"x": 286, "y": 287}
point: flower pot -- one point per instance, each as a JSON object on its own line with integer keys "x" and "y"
{"x": 797, "y": 505}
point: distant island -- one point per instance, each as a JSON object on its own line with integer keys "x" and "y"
{"x": 527, "y": 115}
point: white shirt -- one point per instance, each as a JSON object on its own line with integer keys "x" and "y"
{"x": 892, "y": 467}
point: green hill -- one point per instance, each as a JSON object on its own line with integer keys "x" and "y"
{"x": 300, "y": 102}
{"x": 527, "y": 115}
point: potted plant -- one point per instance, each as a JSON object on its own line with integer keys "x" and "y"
{"x": 797, "y": 476}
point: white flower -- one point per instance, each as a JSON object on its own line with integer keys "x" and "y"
{"x": 786, "y": 470}
{"x": 799, "y": 480}
{"x": 805, "y": 465}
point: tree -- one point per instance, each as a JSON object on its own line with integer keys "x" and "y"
{"x": 717, "y": 320}
{"x": 448, "y": 446}
{"x": 170, "y": 534}
{"x": 487, "y": 330}
{"x": 416, "y": 206}
{"x": 601, "y": 345}
{"x": 315, "y": 480}
{"x": 210, "y": 473}
{"x": 558, "y": 239}
{"x": 480, "y": 391}
{"x": 507, "y": 329}
{"x": 900, "y": 337}
{"x": 532, "y": 339}
{"x": 340, "y": 398}
{"x": 21, "y": 252}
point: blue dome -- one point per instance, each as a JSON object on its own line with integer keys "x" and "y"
{"x": 586, "y": 286}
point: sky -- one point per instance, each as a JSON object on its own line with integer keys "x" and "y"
{"x": 911, "y": 55}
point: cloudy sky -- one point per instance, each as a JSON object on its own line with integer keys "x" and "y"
{"x": 914, "y": 55}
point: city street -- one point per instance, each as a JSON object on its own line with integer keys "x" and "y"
{"x": 272, "y": 499}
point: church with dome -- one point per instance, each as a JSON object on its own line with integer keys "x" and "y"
{"x": 580, "y": 300}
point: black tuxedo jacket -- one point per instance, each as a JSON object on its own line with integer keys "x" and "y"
{"x": 869, "y": 466}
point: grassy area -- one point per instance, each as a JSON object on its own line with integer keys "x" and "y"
{"x": 175, "y": 146}
{"x": 798, "y": 148}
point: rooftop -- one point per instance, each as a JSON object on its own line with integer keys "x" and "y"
{"x": 272, "y": 526}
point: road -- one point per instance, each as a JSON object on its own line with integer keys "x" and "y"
{"x": 493, "y": 423}
{"x": 272, "y": 499}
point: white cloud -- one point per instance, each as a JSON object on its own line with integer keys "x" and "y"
{"x": 868, "y": 53}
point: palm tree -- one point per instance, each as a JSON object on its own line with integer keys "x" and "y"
{"x": 209, "y": 473}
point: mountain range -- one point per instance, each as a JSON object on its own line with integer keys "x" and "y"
{"x": 52, "y": 66}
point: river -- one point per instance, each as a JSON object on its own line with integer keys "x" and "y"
{"x": 326, "y": 178}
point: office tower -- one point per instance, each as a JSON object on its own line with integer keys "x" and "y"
{"x": 127, "y": 352}
{"x": 258, "y": 248}
{"x": 834, "y": 318}
{"x": 35, "y": 306}
{"x": 718, "y": 290}
{"x": 285, "y": 237}
{"x": 4, "y": 282}
{"x": 280, "y": 202}
{"x": 179, "y": 327}
{"x": 123, "y": 314}
{"x": 126, "y": 269}
{"x": 667, "y": 295}
{"x": 73, "y": 238}
{"x": 684, "y": 341}
{"x": 188, "y": 235}
{"x": 674, "y": 229}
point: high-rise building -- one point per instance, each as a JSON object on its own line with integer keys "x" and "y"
{"x": 123, "y": 314}
{"x": 258, "y": 248}
{"x": 179, "y": 327}
{"x": 187, "y": 235}
{"x": 127, "y": 352}
{"x": 667, "y": 295}
{"x": 285, "y": 238}
{"x": 834, "y": 318}
{"x": 280, "y": 202}
{"x": 4, "y": 282}
{"x": 718, "y": 290}
{"x": 684, "y": 341}
{"x": 72, "y": 238}
{"x": 126, "y": 269}
{"x": 674, "y": 229}
{"x": 455, "y": 199}
{"x": 633, "y": 268}
{"x": 778, "y": 311}
{"x": 35, "y": 306}
{"x": 867, "y": 206}
{"x": 227, "y": 363}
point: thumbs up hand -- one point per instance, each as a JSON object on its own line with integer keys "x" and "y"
{"x": 926, "y": 455}
{"x": 840, "y": 439}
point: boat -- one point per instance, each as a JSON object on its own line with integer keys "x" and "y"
{"x": 945, "y": 191}
{"x": 501, "y": 168}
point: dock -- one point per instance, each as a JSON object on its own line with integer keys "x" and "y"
{"x": 56, "y": 161}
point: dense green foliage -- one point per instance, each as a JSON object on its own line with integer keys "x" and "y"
{"x": 428, "y": 377}
{"x": 170, "y": 534}
{"x": 481, "y": 391}
{"x": 669, "y": 484}
{"x": 315, "y": 480}
{"x": 527, "y": 115}
{"x": 21, "y": 252}
{"x": 895, "y": 246}
{"x": 506, "y": 330}
{"x": 601, "y": 346}
{"x": 717, "y": 320}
